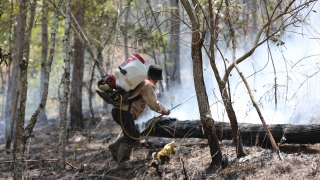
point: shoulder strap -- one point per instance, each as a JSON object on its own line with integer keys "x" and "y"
{"x": 132, "y": 100}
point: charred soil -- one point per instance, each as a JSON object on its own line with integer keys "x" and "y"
{"x": 88, "y": 157}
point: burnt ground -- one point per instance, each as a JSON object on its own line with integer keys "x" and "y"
{"x": 89, "y": 158}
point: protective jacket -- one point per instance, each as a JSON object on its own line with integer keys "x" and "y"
{"x": 146, "y": 90}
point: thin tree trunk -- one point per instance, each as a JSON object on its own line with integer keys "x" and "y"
{"x": 87, "y": 45}
{"x": 66, "y": 91}
{"x": 234, "y": 46}
{"x": 76, "y": 115}
{"x": 14, "y": 77}
{"x": 125, "y": 37}
{"x": 90, "y": 93}
{"x": 273, "y": 143}
{"x": 202, "y": 97}
{"x": 3, "y": 79}
{"x": 44, "y": 54}
{"x": 254, "y": 19}
{"x": 8, "y": 72}
{"x": 36, "y": 114}
{"x": 174, "y": 60}
{"x": 20, "y": 140}
{"x": 226, "y": 98}
{"x": 233, "y": 120}
{"x": 13, "y": 114}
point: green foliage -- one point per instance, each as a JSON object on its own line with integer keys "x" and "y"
{"x": 145, "y": 33}
{"x": 100, "y": 18}
{"x": 5, "y": 23}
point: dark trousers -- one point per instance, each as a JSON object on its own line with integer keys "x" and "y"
{"x": 128, "y": 128}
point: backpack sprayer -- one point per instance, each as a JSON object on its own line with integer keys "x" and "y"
{"x": 115, "y": 89}
{"x": 127, "y": 77}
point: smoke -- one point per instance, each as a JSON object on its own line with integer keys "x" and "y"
{"x": 296, "y": 63}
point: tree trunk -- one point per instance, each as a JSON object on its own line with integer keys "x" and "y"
{"x": 274, "y": 145}
{"x": 44, "y": 55}
{"x": 233, "y": 121}
{"x": 87, "y": 44}
{"x": 223, "y": 89}
{"x": 125, "y": 33}
{"x": 20, "y": 140}
{"x": 66, "y": 91}
{"x": 14, "y": 77}
{"x": 29, "y": 128}
{"x": 202, "y": 97}
{"x": 77, "y": 75}
{"x": 6, "y": 77}
{"x": 239, "y": 148}
{"x": 3, "y": 76}
{"x": 90, "y": 91}
{"x": 174, "y": 60}
{"x": 251, "y": 134}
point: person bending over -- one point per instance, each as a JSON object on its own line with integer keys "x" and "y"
{"x": 144, "y": 95}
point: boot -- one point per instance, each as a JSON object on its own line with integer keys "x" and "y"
{"x": 114, "y": 147}
{"x": 124, "y": 153}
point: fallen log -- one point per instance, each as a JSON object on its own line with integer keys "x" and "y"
{"x": 251, "y": 134}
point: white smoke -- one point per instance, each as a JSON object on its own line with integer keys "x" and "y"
{"x": 296, "y": 65}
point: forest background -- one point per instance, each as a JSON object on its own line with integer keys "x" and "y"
{"x": 274, "y": 43}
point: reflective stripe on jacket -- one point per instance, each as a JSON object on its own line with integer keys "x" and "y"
{"x": 148, "y": 97}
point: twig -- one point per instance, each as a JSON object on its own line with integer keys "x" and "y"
{"x": 166, "y": 130}
{"x": 42, "y": 160}
{"x": 71, "y": 165}
{"x": 30, "y": 160}
{"x": 184, "y": 171}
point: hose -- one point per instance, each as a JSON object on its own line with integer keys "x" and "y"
{"x": 137, "y": 139}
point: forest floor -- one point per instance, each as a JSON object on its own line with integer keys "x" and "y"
{"x": 88, "y": 157}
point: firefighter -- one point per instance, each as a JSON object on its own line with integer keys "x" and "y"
{"x": 144, "y": 95}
